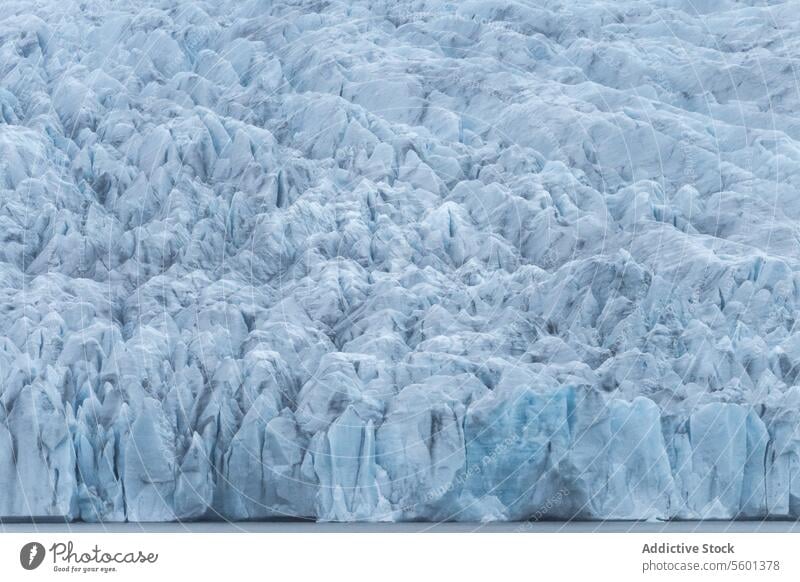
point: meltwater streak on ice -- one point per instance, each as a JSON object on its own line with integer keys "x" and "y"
{"x": 398, "y": 261}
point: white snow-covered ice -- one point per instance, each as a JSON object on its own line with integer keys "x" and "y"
{"x": 399, "y": 260}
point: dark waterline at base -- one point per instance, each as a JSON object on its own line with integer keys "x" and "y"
{"x": 770, "y": 526}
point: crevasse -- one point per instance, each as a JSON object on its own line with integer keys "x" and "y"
{"x": 399, "y": 260}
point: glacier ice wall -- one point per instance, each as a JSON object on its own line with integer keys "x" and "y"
{"x": 393, "y": 260}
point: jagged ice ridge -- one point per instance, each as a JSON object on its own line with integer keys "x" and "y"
{"x": 390, "y": 260}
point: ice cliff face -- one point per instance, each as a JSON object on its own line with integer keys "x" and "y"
{"x": 399, "y": 260}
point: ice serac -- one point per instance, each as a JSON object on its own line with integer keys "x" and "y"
{"x": 398, "y": 260}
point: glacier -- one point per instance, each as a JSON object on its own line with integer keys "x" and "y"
{"x": 399, "y": 260}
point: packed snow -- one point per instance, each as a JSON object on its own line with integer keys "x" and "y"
{"x": 391, "y": 260}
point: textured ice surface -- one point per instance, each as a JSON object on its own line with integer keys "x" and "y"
{"x": 391, "y": 260}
